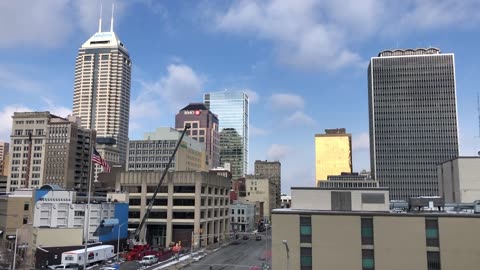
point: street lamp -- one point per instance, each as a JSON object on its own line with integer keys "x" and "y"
{"x": 15, "y": 250}
{"x": 288, "y": 253}
{"x": 118, "y": 238}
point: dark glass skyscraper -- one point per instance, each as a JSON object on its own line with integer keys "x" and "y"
{"x": 413, "y": 119}
{"x": 232, "y": 110}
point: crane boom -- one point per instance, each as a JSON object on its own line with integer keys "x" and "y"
{"x": 150, "y": 204}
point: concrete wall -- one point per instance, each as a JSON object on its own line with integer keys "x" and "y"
{"x": 57, "y": 237}
{"x": 12, "y": 213}
{"x": 459, "y": 180}
{"x": 321, "y": 199}
{"x": 284, "y": 229}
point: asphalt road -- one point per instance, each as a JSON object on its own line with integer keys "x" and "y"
{"x": 245, "y": 255}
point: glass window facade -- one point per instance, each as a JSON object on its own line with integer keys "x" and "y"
{"x": 232, "y": 109}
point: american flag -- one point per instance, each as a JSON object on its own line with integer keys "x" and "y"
{"x": 96, "y": 158}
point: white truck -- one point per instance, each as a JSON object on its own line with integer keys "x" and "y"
{"x": 94, "y": 255}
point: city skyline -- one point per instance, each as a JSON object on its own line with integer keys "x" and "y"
{"x": 297, "y": 86}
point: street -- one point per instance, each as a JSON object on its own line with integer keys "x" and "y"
{"x": 245, "y": 255}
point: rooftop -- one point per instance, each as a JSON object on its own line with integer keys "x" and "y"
{"x": 291, "y": 211}
{"x": 103, "y": 40}
{"x": 194, "y": 107}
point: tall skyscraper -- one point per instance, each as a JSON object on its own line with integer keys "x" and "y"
{"x": 413, "y": 119}
{"x": 203, "y": 128}
{"x": 333, "y": 153}
{"x": 102, "y": 92}
{"x": 232, "y": 109}
{"x": 273, "y": 171}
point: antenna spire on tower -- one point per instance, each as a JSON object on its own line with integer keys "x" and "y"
{"x": 100, "y": 19}
{"x": 111, "y": 20}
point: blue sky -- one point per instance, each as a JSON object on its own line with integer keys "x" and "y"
{"x": 303, "y": 62}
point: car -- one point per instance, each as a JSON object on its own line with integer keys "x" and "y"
{"x": 258, "y": 237}
{"x": 71, "y": 266}
{"x": 149, "y": 259}
{"x": 245, "y": 237}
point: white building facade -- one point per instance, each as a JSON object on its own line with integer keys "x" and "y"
{"x": 242, "y": 216}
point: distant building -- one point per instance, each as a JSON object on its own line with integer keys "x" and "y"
{"x": 203, "y": 128}
{"x": 273, "y": 171}
{"x": 310, "y": 236}
{"x": 286, "y": 201}
{"x": 154, "y": 151}
{"x": 187, "y": 202}
{"x": 348, "y": 180}
{"x": 4, "y": 148}
{"x": 3, "y": 184}
{"x": 260, "y": 189}
{"x": 101, "y": 95}
{"x": 242, "y": 216}
{"x": 333, "y": 153}
{"x": 413, "y": 119}
{"x": 458, "y": 179}
{"x": 232, "y": 110}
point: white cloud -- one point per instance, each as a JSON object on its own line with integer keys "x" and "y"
{"x": 278, "y": 152}
{"x": 253, "y": 96}
{"x": 6, "y": 120}
{"x": 310, "y": 34}
{"x": 361, "y": 141}
{"x": 256, "y": 131}
{"x": 179, "y": 86}
{"x": 49, "y": 23}
{"x": 285, "y": 101}
{"x": 299, "y": 118}
{"x": 12, "y": 81}
{"x": 55, "y": 109}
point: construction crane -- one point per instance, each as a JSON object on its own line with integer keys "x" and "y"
{"x": 136, "y": 235}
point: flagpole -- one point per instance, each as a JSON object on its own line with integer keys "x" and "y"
{"x": 87, "y": 210}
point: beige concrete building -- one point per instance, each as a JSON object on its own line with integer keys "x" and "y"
{"x": 458, "y": 180}
{"x": 187, "y": 202}
{"x": 273, "y": 171}
{"x": 333, "y": 153}
{"x": 15, "y": 211}
{"x": 259, "y": 189}
{"x": 4, "y": 148}
{"x": 153, "y": 152}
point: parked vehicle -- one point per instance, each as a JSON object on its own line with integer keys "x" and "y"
{"x": 258, "y": 237}
{"x": 95, "y": 254}
{"x": 149, "y": 259}
{"x": 245, "y": 237}
{"x": 71, "y": 266}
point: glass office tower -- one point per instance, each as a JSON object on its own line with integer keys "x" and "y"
{"x": 232, "y": 110}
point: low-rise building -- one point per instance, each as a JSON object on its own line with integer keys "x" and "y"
{"x": 458, "y": 180}
{"x": 242, "y": 216}
{"x": 15, "y": 211}
{"x": 286, "y": 201}
{"x": 259, "y": 189}
{"x": 154, "y": 151}
{"x": 309, "y": 237}
{"x": 187, "y": 202}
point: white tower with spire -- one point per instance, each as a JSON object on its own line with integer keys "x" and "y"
{"x": 102, "y": 91}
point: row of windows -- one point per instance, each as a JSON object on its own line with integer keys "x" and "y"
{"x": 29, "y": 122}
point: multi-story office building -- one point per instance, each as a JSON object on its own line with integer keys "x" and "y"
{"x": 102, "y": 92}
{"x": 4, "y": 148}
{"x": 203, "y": 128}
{"x": 68, "y": 153}
{"x": 413, "y": 119}
{"x": 458, "y": 180}
{"x": 333, "y": 153}
{"x": 153, "y": 152}
{"x": 304, "y": 237}
{"x": 232, "y": 109}
{"x": 27, "y": 156}
{"x": 258, "y": 189}
{"x": 58, "y": 151}
{"x": 242, "y": 216}
{"x": 187, "y": 202}
{"x": 273, "y": 171}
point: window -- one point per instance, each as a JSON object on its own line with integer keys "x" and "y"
{"x": 26, "y": 207}
{"x": 25, "y": 220}
{"x": 305, "y": 230}
{"x": 433, "y": 260}
{"x": 305, "y": 258}
{"x": 367, "y": 231}
{"x": 79, "y": 213}
{"x": 368, "y": 259}
{"x": 431, "y": 232}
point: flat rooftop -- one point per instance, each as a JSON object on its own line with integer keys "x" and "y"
{"x": 290, "y": 211}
